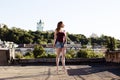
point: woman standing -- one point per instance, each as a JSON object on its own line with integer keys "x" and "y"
{"x": 59, "y": 44}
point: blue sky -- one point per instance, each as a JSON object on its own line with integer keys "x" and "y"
{"x": 79, "y": 16}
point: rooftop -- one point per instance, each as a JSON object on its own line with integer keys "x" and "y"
{"x": 74, "y": 72}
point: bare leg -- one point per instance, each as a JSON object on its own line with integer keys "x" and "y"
{"x": 63, "y": 58}
{"x": 58, "y": 50}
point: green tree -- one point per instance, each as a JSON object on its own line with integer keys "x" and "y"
{"x": 111, "y": 44}
{"x": 4, "y": 32}
{"x": 82, "y": 54}
{"x": 88, "y": 53}
{"x": 72, "y": 53}
{"x": 29, "y": 55}
{"x": 78, "y": 38}
{"x": 38, "y": 51}
{"x": 21, "y": 36}
{"x": 26, "y": 38}
{"x": 18, "y": 55}
{"x": 118, "y": 43}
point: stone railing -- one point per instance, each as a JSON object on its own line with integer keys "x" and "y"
{"x": 4, "y": 57}
{"x": 112, "y": 56}
{"x": 53, "y": 60}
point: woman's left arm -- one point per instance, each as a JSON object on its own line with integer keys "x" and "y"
{"x": 65, "y": 37}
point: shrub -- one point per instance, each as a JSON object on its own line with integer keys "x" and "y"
{"x": 68, "y": 56}
{"x": 100, "y": 55}
{"x": 18, "y": 55}
{"x": 51, "y": 55}
{"x": 29, "y": 55}
{"x": 87, "y": 53}
{"x": 84, "y": 46}
{"x": 38, "y": 51}
{"x": 82, "y": 54}
{"x": 71, "y": 53}
{"x": 44, "y": 55}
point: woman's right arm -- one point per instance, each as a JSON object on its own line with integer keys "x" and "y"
{"x": 55, "y": 36}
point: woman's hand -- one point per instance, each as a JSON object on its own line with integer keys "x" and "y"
{"x": 53, "y": 45}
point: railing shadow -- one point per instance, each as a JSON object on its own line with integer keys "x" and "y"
{"x": 110, "y": 68}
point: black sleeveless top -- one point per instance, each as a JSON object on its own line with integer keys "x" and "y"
{"x": 60, "y": 36}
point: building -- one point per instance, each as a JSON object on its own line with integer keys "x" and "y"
{"x": 1, "y": 44}
{"x": 93, "y": 35}
{"x": 7, "y": 52}
{"x": 50, "y": 31}
{"x": 1, "y": 25}
{"x": 4, "y": 56}
{"x": 40, "y": 26}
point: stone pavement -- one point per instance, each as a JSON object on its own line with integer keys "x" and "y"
{"x": 48, "y": 72}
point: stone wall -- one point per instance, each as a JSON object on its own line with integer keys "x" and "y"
{"x": 113, "y": 56}
{"x": 53, "y": 60}
{"x": 4, "y": 57}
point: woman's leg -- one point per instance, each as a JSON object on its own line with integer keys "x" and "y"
{"x": 58, "y": 50}
{"x": 63, "y": 58}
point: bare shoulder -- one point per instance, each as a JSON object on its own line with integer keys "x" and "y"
{"x": 55, "y": 32}
{"x": 63, "y": 30}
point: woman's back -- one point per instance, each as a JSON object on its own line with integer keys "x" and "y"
{"x": 60, "y": 36}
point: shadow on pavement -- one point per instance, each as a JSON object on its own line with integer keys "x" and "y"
{"x": 45, "y": 74}
{"x": 98, "y": 69}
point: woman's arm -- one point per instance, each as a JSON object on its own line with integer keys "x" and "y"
{"x": 55, "y": 37}
{"x": 65, "y": 37}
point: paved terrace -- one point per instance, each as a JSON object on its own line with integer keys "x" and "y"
{"x": 106, "y": 71}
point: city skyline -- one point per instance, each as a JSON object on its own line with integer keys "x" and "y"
{"x": 79, "y": 16}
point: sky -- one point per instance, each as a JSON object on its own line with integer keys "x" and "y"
{"x": 79, "y": 16}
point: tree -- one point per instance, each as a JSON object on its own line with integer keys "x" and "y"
{"x": 21, "y": 36}
{"x": 38, "y": 51}
{"x": 4, "y": 32}
{"x": 111, "y": 44}
{"x": 78, "y": 38}
{"x": 26, "y": 38}
{"x": 118, "y": 43}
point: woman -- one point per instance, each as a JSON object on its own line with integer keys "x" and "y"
{"x": 59, "y": 44}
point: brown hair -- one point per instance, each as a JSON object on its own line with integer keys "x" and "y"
{"x": 59, "y": 26}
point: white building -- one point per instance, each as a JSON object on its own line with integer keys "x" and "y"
{"x": 40, "y": 26}
{"x": 23, "y": 50}
{"x": 1, "y": 25}
{"x": 8, "y": 46}
{"x": 50, "y": 31}
{"x": 93, "y": 35}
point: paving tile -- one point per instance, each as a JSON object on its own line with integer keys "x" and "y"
{"x": 74, "y": 72}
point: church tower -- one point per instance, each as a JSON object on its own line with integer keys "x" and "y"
{"x": 40, "y": 26}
